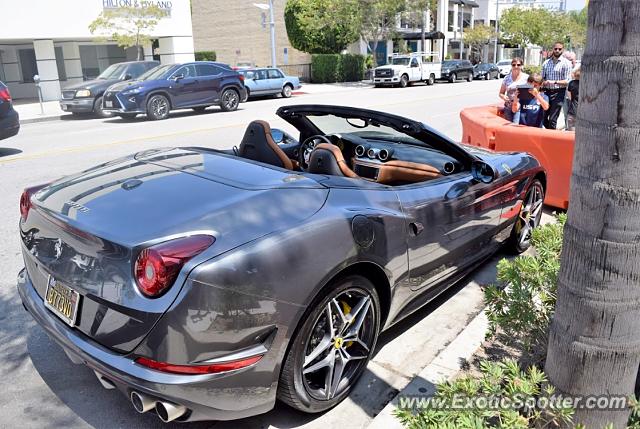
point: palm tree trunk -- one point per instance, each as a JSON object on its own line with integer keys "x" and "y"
{"x": 594, "y": 345}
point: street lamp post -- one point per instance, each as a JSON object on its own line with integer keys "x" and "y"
{"x": 272, "y": 28}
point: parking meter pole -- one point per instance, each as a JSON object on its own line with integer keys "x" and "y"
{"x": 272, "y": 25}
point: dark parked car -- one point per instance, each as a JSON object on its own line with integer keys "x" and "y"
{"x": 86, "y": 97}
{"x": 453, "y": 70}
{"x": 196, "y": 85}
{"x": 9, "y": 119}
{"x": 486, "y": 71}
{"x": 204, "y": 284}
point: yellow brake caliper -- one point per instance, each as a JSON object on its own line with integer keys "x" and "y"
{"x": 346, "y": 309}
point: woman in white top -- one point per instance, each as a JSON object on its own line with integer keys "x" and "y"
{"x": 509, "y": 88}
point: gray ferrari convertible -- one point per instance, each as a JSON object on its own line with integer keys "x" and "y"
{"x": 204, "y": 284}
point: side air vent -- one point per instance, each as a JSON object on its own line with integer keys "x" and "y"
{"x": 360, "y": 150}
{"x": 449, "y": 167}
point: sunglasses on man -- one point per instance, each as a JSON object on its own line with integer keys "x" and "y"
{"x": 516, "y": 65}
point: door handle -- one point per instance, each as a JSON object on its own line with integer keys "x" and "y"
{"x": 416, "y": 228}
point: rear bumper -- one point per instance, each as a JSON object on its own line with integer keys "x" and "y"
{"x": 9, "y": 125}
{"x": 77, "y": 105}
{"x": 224, "y": 396}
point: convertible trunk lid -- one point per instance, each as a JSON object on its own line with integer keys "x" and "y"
{"x": 85, "y": 231}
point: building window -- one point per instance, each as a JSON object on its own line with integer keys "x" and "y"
{"x": 450, "y": 21}
{"x": 28, "y": 64}
{"x": 62, "y": 72}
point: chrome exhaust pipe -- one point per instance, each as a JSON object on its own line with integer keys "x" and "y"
{"x": 141, "y": 402}
{"x": 168, "y": 411}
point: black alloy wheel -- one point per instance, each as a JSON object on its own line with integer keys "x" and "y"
{"x": 158, "y": 107}
{"x": 528, "y": 218}
{"x": 97, "y": 109}
{"x": 229, "y": 100}
{"x": 332, "y": 347}
{"x": 404, "y": 81}
{"x": 452, "y": 77}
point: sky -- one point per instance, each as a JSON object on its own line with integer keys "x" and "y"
{"x": 575, "y": 4}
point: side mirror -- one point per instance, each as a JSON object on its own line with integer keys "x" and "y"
{"x": 277, "y": 135}
{"x": 483, "y": 172}
{"x": 128, "y": 77}
{"x": 178, "y": 77}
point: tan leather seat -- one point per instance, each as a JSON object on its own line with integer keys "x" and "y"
{"x": 258, "y": 145}
{"x": 328, "y": 159}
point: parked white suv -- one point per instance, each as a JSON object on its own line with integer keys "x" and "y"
{"x": 406, "y": 68}
{"x": 504, "y": 66}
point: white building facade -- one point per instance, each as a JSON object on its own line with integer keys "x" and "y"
{"x": 452, "y": 19}
{"x": 51, "y": 39}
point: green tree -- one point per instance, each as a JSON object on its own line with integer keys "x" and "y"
{"x": 418, "y": 10}
{"x": 478, "y": 38}
{"x": 322, "y": 26}
{"x": 128, "y": 26}
{"x": 379, "y": 21}
{"x": 594, "y": 341}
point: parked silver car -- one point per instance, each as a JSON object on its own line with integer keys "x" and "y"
{"x": 269, "y": 81}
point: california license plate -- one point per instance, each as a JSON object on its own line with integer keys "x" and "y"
{"x": 62, "y": 301}
{"x": 108, "y": 103}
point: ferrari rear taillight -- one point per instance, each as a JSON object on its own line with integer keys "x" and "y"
{"x": 25, "y": 200}
{"x": 5, "y": 95}
{"x": 157, "y": 267}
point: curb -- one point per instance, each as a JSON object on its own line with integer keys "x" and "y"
{"x": 443, "y": 367}
{"x": 41, "y": 119}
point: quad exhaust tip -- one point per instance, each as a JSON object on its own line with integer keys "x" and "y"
{"x": 168, "y": 411}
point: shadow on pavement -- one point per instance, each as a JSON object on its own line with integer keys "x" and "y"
{"x": 6, "y": 151}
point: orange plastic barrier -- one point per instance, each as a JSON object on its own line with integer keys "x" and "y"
{"x": 481, "y": 126}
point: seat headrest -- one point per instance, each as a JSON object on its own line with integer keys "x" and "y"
{"x": 328, "y": 159}
{"x": 258, "y": 145}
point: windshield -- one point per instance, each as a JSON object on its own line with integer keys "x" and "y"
{"x": 114, "y": 71}
{"x": 369, "y": 129}
{"x": 400, "y": 61}
{"x": 155, "y": 73}
{"x": 449, "y": 63}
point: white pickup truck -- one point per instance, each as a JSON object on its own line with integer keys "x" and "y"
{"x": 404, "y": 69}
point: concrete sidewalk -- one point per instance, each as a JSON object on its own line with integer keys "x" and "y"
{"x": 30, "y": 110}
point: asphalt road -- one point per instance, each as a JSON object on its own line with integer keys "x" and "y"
{"x": 41, "y": 387}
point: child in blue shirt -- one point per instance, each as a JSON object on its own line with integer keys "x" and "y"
{"x": 530, "y": 102}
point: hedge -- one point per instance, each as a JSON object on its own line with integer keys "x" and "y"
{"x": 337, "y": 68}
{"x": 206, "y": 56}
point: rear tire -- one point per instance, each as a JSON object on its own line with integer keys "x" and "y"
{"x": 528, "y": 219}
{"x": 431, "y": 80}
{"x": 286, "y": 91}
{"x": 158, "y": 107}
{"x": 229, "y": 100}
{"x": 452, "y": 78}
{"x": 305, "y": 385}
